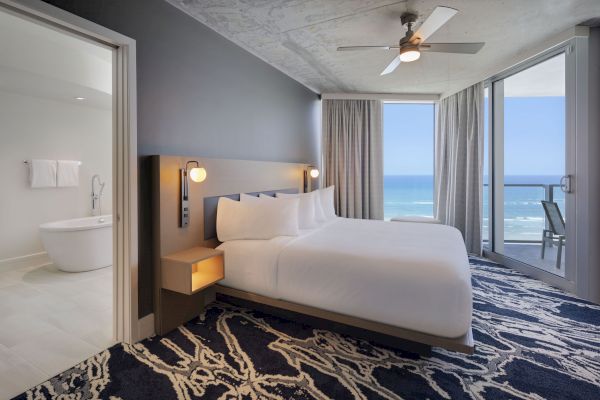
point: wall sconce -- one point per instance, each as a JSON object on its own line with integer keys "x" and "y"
{"x": 310, "y": 173}
{"x": 196, "y": 174}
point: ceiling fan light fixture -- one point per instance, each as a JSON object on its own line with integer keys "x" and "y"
{"x": 409, "y": 54}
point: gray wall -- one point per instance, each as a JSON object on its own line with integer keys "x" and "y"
{"x": 201, "y": 95}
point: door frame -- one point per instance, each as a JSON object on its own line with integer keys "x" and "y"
{"x": 575, "y": 50}
{"x": 125, "y": 168}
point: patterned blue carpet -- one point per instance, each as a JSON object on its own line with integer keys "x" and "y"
{"x": 532, "y": 342}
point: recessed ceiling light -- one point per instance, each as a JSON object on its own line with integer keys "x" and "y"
{"x": 80, "y": 98}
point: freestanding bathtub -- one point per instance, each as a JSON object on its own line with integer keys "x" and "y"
{"x": 78, "y": 245}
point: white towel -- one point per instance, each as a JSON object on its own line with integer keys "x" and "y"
{"x": 68, "y": 173}
{"x": 42, "y": 173}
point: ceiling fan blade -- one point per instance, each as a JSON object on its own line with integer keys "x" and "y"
{"x": 438, "y": 17}
{"x": 392, "y": 66}
{"x": 461, "y": 48}
{"x": 353, "y": 48}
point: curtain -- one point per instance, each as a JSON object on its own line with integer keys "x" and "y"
{"x": 459, "y": 164}
{"x": 353, "y": 156}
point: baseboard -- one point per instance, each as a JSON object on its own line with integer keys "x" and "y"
{"x": 29, "y": 260}
{"x": 146, "y": 327}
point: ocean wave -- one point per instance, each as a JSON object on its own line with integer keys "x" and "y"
{"x": 523, "y": 203}
{"x": 525, "y": 219}
{"x": 398, "y": 204}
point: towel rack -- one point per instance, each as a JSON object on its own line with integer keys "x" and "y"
{"x": 27, "y": 162}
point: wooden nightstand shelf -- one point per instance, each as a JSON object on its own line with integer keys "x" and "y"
{"x": 189, "y": 271}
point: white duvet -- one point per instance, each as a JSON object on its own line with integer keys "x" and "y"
{"x": 411, "y": 275}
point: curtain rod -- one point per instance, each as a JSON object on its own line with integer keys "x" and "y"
{"x": 408, "y": 97}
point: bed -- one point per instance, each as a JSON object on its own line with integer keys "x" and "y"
{"x": 403, "y": 279}
{"x": 403, "y": 284}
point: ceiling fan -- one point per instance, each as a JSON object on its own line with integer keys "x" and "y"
{"x": 412, "y": 44}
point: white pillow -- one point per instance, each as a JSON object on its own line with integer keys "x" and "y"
{"x": 249, "y": 220}
{"x": 247, "y": 197}
{"x": 266, "y": 196}
{"x": 306, "y": 212}
{"x": 326, "y": 196}
{"x": 319, "y": 213}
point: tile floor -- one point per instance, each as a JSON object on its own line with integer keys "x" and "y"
{"x": 49, "y": 321}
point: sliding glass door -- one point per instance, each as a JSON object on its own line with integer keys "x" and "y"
{"x": 530, "y": 191}
{"x": 534, "y": 163}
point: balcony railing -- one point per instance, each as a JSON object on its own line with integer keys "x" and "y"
{"x": 548, "y": 195}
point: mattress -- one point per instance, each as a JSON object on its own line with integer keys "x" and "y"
{"x": 410, "y": 275}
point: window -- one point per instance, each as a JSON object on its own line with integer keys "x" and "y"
{"x": 408, "y": 134}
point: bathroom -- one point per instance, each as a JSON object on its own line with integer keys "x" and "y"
{"x": 56, "y": 157}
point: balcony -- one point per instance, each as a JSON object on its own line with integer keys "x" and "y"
{"x": 524, "y": 222}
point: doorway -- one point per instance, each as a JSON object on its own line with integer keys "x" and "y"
{"x": 56, "y": 236}
{"x": 65, "y": 87}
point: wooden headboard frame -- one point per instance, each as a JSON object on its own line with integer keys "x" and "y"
{"x": 224, "y": 178}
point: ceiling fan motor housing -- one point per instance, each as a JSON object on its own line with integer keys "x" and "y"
{"x": 408, "y": 19}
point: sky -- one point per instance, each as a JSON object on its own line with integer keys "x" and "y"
{"x": 408, "y": 139}
{"x": 534, "y": 136}
{"x": 534, "y": 142}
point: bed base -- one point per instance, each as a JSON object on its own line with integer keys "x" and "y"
{"x": 388, "y": 335}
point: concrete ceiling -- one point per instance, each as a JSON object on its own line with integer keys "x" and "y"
{"x": 300, "y": 38}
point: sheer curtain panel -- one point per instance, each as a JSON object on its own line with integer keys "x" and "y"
{"x": 353, "y": 156}
{"x": 459, "y": 164}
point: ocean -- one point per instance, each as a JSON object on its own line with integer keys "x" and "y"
{"x": 523, "y": 212}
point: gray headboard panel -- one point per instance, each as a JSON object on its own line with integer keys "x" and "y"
{"x": 210, "y": 209}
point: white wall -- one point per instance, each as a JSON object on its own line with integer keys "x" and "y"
{"x": 41, "y": 128}
{"x": 53, "y": 54}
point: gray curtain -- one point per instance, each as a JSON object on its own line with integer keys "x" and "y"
{"x": 459, "y": 164}
{"x": 353, "y": 156}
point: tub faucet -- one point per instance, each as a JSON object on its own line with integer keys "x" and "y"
{"x": 97, "y": 197}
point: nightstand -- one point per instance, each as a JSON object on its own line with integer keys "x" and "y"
{"x": 192, "y": 270}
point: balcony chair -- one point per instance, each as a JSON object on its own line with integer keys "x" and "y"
{"x": 557, "y": 230}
